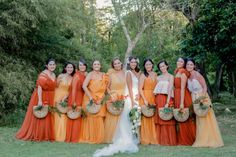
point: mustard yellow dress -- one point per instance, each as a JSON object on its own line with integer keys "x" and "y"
{"x": 207, "y": 133}
{"x": 60, "y": 121}
{"x": 117, "y": 88}
{"x": 148, "y": 128}
{"x": 93, "y": 125}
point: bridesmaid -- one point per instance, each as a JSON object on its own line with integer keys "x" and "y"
{"x": 208, "y": 132}
{"x": 164, "y": 98}
{"x": 61, "y": 93}
{"x": 182, "y": 98}
{"x": 40, "y": 129}
{"x": 76, "y": 94}
{"x": 116, "y": 87}
{"x": 147, "y": 83}
{"x": 95, "y": 86}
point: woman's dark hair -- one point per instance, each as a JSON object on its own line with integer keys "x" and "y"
{"x": 162, "y": 61}
{"x": 83, "y": 62}
{"x": 185, "y": 61}
{"x": 137, "y": 69}
{"x": 64, "y": 68}
{"x": 145, "y": 61}
{"x": 48, "y": 61}
{"x": 191, "y": 60}
{"x": 113, "y": 60}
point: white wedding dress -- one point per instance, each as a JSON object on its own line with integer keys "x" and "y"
{"x": 123, "y": 141}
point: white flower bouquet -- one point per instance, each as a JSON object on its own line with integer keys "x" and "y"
{"x": 135, "y": 119}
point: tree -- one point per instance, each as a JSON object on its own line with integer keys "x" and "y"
{"x": 214, "y": 33}
{"x": 143, "y": 11}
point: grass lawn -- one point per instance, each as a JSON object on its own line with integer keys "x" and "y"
{"x": 10, "y": 147}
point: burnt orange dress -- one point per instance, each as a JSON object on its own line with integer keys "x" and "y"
{"x": 167, "y": 129}
{"x": 93, "y": 124}
{"x": 117, "y": 88}
{"x": 186, "y": 130}
{"x": 148, "y": 128}
{"x": 76, "y": 94}
{"x": 39, "y": 129}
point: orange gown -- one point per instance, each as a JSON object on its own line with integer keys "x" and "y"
{"x": 73, "y": 129}
{"x": 93, "y": 125}
{"x": 39, "y": 129}
{"x": 186, "y": 130}
{"x": 167, "y": 129}
{"x": 117, "y": 87}
{"x": 148, "y": 129}
{"x": 60, "y": 120}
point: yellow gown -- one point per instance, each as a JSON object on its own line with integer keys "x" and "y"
{"x": 207, "y": 133}
{"x": 93, "y": 124}
{"x": 60, "y": 121}
{"x": 117, "y": 88}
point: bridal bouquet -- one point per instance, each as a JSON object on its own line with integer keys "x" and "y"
{"x": 135, "y": 118}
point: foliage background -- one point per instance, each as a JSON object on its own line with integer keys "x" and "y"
{"x": 33, "y": 30}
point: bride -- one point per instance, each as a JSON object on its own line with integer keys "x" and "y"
{"x": 124, "y": 140}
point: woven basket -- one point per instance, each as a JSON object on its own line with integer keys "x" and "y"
{"x": 74, "y": 113}
{"x": 61, "y": 109}
{"x": 113, "y": 110}
{"x": 163, "y": 115}
{"x": 94, "y": 108}
{"x": 200, "y": 111}
{"x": 147, "y": 111}
{"x": 181, "y": 117}
{"x": 40, "y": 113}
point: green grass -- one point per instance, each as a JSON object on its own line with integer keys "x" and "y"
{"x": 10, "y": 147}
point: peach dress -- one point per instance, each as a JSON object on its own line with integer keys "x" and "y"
{"x": 117, "y": 88}
{"x": 208, "y": 133}
{"x": 93, "y": 130}
{"x": 148, "y": 128}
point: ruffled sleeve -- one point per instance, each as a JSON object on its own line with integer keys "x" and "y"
{"x": 42, "y": 81}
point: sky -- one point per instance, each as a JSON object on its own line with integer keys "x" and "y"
{"x": 103, "y": 3}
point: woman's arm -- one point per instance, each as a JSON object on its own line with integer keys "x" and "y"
{"x": 85, "y": 86}
{"x": 183, "y": 86}
{"x": 140, "y": 88}
{"x": 170, "y": 88}
{"x": 202, "y": 81}
{"x": 129, "y": 85}
{"x": 40, "y": 102}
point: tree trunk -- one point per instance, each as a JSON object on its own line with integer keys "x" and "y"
{"x": 130, "y": 43}
{"x": 203, "y": 72}
{"x": 234, "y": 83}
{"x": 219, "y": 72}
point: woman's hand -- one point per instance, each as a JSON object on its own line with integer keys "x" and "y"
{"x": 182, "y": 106}
{"x": 64, "y": 99}
{"x": 146, "y": 102}
{"x": 137, "y": 97}
{"x": 166, "y": 105}
{"x": 40, "y": 103}
{"x": 113, "y": 99}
